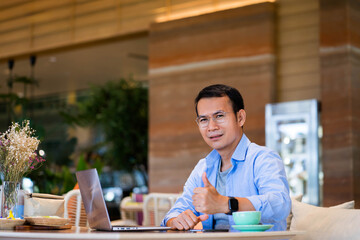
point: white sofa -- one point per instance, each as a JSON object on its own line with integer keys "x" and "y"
{"x": 334, "y": 223}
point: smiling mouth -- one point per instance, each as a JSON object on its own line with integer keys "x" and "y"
{"x": 215, "y": 136}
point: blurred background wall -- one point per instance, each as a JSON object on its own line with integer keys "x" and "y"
{"x": 273, "y": 51}
{"x": 234, "y": 47}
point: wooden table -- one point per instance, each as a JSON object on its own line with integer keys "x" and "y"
{"x": 84, "y": 233}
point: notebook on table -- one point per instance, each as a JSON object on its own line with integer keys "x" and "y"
{"x": 95, "y": 207}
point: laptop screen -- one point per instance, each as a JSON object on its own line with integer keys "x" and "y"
{"x": 93, "y": 199}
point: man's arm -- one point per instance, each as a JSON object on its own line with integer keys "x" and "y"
{"x": 273, "y": 199}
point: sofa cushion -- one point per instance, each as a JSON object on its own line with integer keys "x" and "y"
{"x": 288, "y": 219}
{"x": 346, "y": 205}
{"x": 325, "y": 223}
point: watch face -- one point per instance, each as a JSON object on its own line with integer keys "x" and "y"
{"x": 233, "y": 204}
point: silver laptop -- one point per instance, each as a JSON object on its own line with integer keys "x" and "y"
{"x": 95, "y": 206}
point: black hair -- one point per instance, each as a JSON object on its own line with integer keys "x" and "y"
{"x": 221, "y": 90}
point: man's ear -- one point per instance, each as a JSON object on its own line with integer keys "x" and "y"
{"x": 241, "y": 117}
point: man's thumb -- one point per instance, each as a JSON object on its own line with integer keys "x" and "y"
{"x": 203, "y": 217}
{"x": 205, "y": 180}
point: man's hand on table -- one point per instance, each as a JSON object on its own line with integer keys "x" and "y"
{"x": 186, "y": 220}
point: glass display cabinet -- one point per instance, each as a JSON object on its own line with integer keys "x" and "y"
{"x": 292, "y": 129}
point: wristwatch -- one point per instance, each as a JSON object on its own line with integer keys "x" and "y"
{"x": 233, "y": 205}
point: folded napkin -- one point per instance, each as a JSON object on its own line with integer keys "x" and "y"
{"x": 39, "y": 204}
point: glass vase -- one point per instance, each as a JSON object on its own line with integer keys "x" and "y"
{"x": 9, "y": 198}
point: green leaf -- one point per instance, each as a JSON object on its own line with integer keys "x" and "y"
{"x": 120, "y": 111}
{"x": 81, "y": 163}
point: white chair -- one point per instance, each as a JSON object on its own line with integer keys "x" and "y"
{"x": 74, "y": 209}
{"x": 156, "y": 205}
{"x": 129, "y": 211}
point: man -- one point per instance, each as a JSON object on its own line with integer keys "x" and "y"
{"x": 236, "y": 176}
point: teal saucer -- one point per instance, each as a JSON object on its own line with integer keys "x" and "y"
{"x": 252, "y": 228}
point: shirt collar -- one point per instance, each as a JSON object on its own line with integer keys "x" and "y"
{"x": 238, "y": 155}
{"x": 241, "y": 149}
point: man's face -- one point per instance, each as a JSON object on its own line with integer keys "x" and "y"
{"x": 225, "y": 134}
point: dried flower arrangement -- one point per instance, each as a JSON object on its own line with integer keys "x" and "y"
{"x": 18, "y": 151}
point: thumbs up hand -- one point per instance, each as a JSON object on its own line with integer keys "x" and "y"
{"x": 207, "y": 200}
{"x": 206, "y": 180}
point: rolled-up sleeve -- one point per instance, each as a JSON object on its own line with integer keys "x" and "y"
{"x": 273, "y": 191}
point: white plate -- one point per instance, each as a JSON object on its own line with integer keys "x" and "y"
{"x": 252, "y": 228}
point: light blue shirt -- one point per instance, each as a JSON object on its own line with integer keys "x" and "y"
{"x": 257, "y": 173}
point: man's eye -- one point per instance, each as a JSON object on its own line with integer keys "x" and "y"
{"x": 219, "y": 116}
{"x": 203, "y": 120}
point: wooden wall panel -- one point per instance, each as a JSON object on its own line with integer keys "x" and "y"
{"x": 298, "y": 76}
{"x": 234, "y": 47}
{"x": 36, "y": 24}
{"x": 340, "y": 88}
